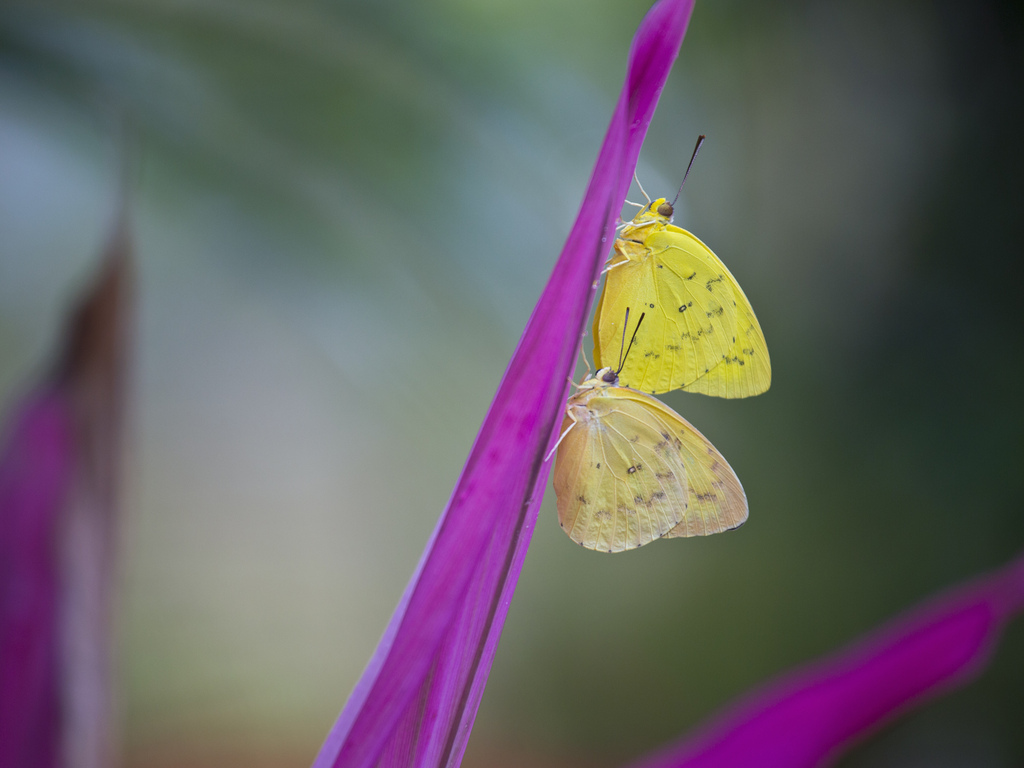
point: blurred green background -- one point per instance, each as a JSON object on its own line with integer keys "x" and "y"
{"x": 344, "y": 213}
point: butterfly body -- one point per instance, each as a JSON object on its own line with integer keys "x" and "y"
{"x": 630, "y": 470}
{"x": 701, "y": 333}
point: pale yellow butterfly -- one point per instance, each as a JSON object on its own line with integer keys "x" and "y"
{"x": 701, "y": 335}
{"x": 631, "y": 470}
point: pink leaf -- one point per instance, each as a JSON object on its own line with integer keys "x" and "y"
{"x": 58, "y": 471}
{"x": 417, "y": 699}
{"x": 809, "y": 715}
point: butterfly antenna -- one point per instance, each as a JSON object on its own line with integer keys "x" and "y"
{"x": 696, "y": 149}
{"x": 642, "y": 191}
{"x": 622, "y": 344}
{"x": 622, "y": 360}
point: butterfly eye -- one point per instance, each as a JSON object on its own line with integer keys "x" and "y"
{"x": 666, "y": 210}
{"x": 609, "y": 376}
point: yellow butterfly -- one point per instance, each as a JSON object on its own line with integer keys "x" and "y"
{"x": 631, "y": 470}
{"x": 702, "y": 335}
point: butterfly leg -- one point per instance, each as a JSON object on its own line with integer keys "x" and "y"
{"x": 610, "y": 267}
{"x": 642, "y": 191}
{"x": 586, "y": 362}
{"x": 562, "y": 436}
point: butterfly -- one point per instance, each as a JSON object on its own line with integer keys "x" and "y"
{"x": 702, "y": 334}
{"x": 630, "y": 470}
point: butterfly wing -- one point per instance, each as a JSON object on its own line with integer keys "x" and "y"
{"x": 716, "y": 501}
{"x": 745, "y": 369}
{"x": 700, "y": 332}
{"x": 631, "y": 470}
{"x": 619, "y": 481}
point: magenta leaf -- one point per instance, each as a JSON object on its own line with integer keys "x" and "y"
{"x": 810, "y": 715}
{"x": 58, "y": 468}
{"x": 35, "y": 473}
{"x": 416, "y": 702}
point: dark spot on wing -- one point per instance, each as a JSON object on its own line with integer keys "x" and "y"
{"x": 712, "y": 281}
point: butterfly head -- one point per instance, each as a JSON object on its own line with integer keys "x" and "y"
{"x": 658, "y": 213}
{"x": 606, "y": 377}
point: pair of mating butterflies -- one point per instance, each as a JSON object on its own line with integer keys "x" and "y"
{"x": 629, "y": 469}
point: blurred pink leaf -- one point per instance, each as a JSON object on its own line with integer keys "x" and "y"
{"x": 416, "y": 702}
{"x": 35, "y": 473}
{"x": 810, "y": 715}
{"x": 58, "y": 472}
